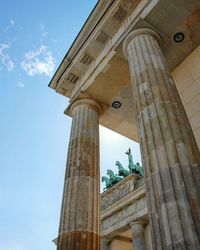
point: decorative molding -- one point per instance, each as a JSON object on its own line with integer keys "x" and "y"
{"x": 140, "y": 32}
{"x": 120, "y": 14}
{"x": 86, "y": 102}
{"x": 102, "y": 37}
{"x": 86, "y": 59}
{"x": 118, "y": 191}
{"x": 120, "y": 219}
{"x": 72, "y": 78}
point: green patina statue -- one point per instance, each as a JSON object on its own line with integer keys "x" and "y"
{"x": 131, "y": 165}
{"x": 115, "y": 178}
{"x": 139, "y": 169}
{"x": 121, "y": 170}
{"x": 107, "y": 181}
{"x": 134, "y": 168}
{"x": 111, "y": 180}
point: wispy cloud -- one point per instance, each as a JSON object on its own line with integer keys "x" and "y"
{"x": 43, "y": 32}
{"x": 40, "y": 61}
{"x": 12, "y": 22}
{"x": 5, "y": 60}
{"x": 54, "y": 40}
{"x": 20, "y": 84}
{"x": 9, "y": 25}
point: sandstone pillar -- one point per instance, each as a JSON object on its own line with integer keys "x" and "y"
{"x": 79, "y": 223}
{"x": 138, "y": 240}
{"x": 169, "y": 152}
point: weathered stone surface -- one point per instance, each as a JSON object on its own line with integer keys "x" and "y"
{"x": 79, "y": 241}
{"x": 123, "y": 208}
{"x": 118, "y": 191}
{"x": 138, "y": 240}
{"x": 79, "y": 223}
{"x": 120, "y": 206}
{"x": 169, "y": 151}
{"x": 121, "y": 218}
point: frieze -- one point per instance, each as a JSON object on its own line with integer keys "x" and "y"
{"x": 125, "y": 215}
{"x": 118, "y": 191}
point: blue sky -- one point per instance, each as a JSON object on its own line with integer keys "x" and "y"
{"x": 34, "y": 132}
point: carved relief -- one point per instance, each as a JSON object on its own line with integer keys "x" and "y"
{"x": 117, "y": 192}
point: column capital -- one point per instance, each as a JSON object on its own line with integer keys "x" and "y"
{"x": 138, "y": 221}
{"x": 140, "y": 32}
{"x": 84, "y": 102}
{"x": 137, "y": 228}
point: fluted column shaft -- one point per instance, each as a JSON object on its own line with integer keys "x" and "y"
{"x": 79, "y": 223}
{"x": 138, "y": 240}
{"x": 169, "y": 151}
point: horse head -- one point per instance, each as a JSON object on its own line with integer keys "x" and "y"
{"x": 103, "y": 178}
{"x": 117, "y": 163}
{"x": 128, "y": 152}
{"x": 110, "y": 172}
{"x": 120, "y": 167}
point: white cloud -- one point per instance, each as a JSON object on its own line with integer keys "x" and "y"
{"x": 40, "y": 61}
{"x": 5, "y": 58}
{"x": 20, "y": 84}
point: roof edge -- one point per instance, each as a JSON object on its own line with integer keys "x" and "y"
{"x": 100, "y": 7}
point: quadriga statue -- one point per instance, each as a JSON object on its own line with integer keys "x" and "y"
{"x": 112, "y": 178}
{"x": 121, "y": 170}
{"x": 134, "y": 168}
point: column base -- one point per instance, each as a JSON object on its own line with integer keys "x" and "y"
{"x": 79, "y": 240}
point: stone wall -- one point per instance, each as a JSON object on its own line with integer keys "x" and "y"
{"x": 187, "y": 79}
{"x": 121, "y": 204}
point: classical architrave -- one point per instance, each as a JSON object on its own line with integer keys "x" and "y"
{"x": 120, "y": 205}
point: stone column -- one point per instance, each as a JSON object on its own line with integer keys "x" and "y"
{"x": 104, "y": 244}
{"x": 79, "y": 223}
{"x": 138, "y": 240}
{"x": 169, "y": 151}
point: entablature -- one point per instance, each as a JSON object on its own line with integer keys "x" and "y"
{"x": 95, "y": 64}
{"x": 122, "y": 204}
{"x": 94, "y": 43}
